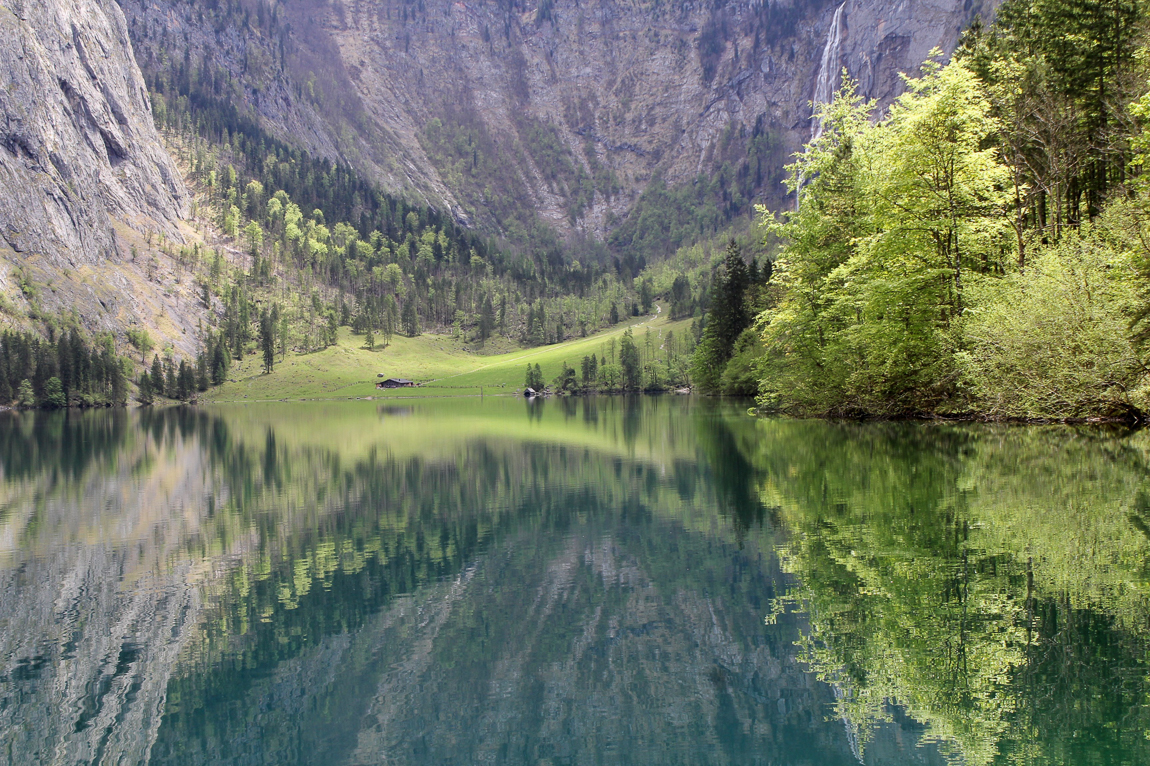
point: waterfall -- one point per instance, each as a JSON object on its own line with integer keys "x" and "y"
{"x": 828, "y": 71}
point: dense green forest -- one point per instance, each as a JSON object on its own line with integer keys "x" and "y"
{"x": 981, "y": 248}
{"x": 63, "y": 369}
{"x": 332, "y": 249}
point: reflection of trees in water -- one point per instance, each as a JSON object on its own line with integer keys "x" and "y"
{"x": 338, "y": 540}
{"x": 733, "y": 476}
{"x": 988, "y": 579}
{"x": 383, "y": 527}
{"x": 302, "y": 548}
{"x": 64, "y": 442}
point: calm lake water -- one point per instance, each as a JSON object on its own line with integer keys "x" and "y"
{"x": 612, "y": 581}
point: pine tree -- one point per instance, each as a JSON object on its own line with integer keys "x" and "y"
{"x": 157, "y": 376}
{"x": 144, "y": 389}
{"x": 219, "y": 361}
{"x": 410, "y": 318}
{"x": 729, "y": 314}
{"x": 203, "y": 378}
{"x": 486, "y": 319}
{"x": 267, "y": 341}
{"x": 629, "y": 362}
{"x": 184, "y": 382}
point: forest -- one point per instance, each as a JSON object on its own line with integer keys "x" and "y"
{"x": 318, "y": 239}
{"x": 61, "y": 370}
{"x": 983, "y": 247}
{"x": 979, "y": 248}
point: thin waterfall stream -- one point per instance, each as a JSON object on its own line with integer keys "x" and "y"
{"x": 828, "y": 72}
{"x": 824, "y": 84}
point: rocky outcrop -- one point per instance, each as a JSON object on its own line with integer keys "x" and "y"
{"x": 78, "y": 148}
{"x": 565, "y": 108}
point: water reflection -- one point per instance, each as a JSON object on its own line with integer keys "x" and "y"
{"x": 989, "y": 581}
{"x": 566, "y": 581}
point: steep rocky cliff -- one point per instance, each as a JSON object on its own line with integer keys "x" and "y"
{"x": 78, "y": 145}
{"x": 568, "y": 109}
{"x": 85, "y": 181}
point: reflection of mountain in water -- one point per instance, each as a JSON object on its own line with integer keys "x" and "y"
{"x": 567, "y": 583}
{"x": 89, "y": 630}
{"x": 631, "y": 642}
{"x": 193, "y": 588}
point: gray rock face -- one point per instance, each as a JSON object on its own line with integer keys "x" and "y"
{"x": 568, "y": 108}
{"x": 78, "y": 147}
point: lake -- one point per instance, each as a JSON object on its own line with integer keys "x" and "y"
{"x": 659, "y": 580}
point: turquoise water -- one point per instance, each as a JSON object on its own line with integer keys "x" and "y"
{"x": 649, "y": 580}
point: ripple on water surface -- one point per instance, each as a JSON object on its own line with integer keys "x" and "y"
{"x": 648, "y": 580}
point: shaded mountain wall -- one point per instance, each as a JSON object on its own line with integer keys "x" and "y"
{"x": 564, "y": 110}
{"x": 77, "y": 144}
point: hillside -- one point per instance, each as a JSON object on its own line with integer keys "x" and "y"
{"x": 440, "y": 364}
{"x": 521, "y": 116}
{"x": 502, "y": 173}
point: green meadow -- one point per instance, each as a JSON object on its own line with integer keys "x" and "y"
{"x": 439, "y": 364}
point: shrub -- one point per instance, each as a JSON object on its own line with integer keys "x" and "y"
{"x": 1053, "y": 341}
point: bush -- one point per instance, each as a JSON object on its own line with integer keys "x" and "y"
{"x": 54, "y": 394}
{"x": 1053, "y": 341}
{"x": 742, "y": 374}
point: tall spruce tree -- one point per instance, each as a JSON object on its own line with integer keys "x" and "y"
{"x": 726, "y": 319}
{"x": 267, "y": 341}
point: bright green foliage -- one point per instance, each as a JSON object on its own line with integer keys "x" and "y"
{"x": 893, "y": 218}
{"x": 964, "y": 590}
{"x": 939, "y": 260}
{"x": 610, "y": 377}
{"x": 26, "y": 397}
{"x": 54, "y": 394}
{"x": 742, "y": 374}
{"x": 1054, "y": 341}
{"x": 141, "y": 339}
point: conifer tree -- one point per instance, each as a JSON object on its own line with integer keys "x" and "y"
{"x": 144, "y": 389}
{"x": 267, "y": 341}
{"x": 157, "y": 376}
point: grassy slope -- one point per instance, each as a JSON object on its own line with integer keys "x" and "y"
{"x": 443, "y": 366}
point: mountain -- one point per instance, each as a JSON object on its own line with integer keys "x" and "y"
{"x": 559, "y": 112}
{"x": 91, "y": 202}
{"x": 636, "y": 125}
